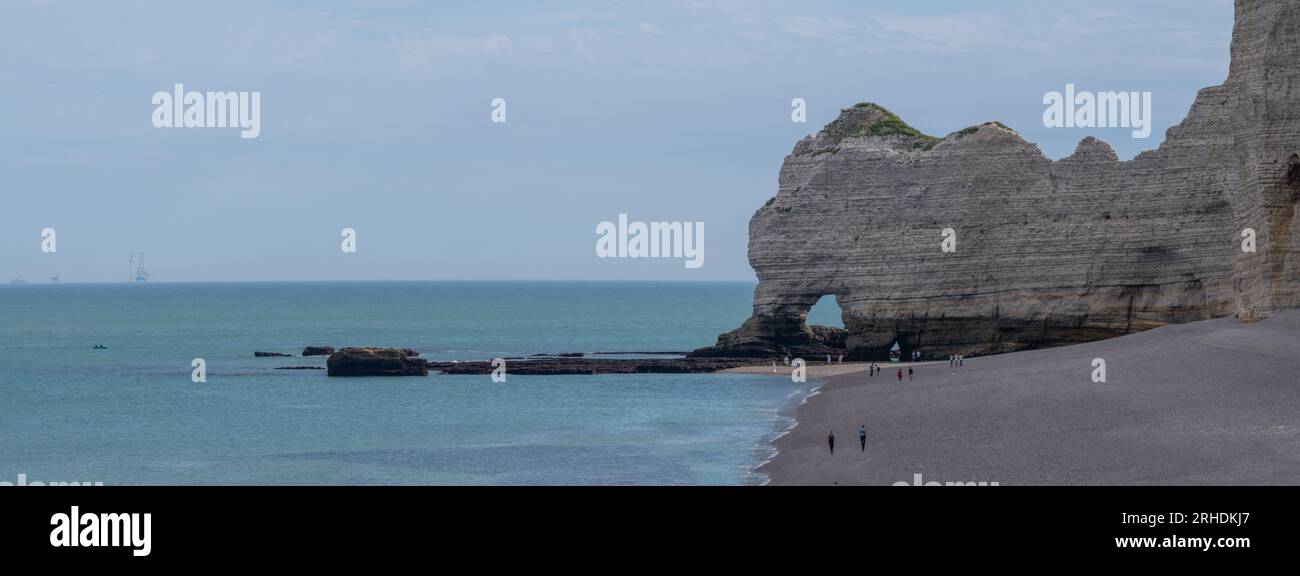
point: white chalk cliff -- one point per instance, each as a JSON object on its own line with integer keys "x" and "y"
{"x": 1048, "y": 252}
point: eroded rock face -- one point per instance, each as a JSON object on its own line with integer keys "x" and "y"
{"x": 1047, "y": 252}
{"x": 375, "y": 362}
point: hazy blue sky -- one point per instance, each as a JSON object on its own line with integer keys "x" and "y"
{"x": 375, "y": 115}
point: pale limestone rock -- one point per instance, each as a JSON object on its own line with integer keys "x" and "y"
{"x": 1048, "y": 253}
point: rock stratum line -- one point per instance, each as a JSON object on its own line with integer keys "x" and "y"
{"x": 1049, "y": 252}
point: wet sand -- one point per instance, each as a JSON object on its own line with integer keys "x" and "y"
{"x": 818, "y": 371}
{"x": 1214, "y": 402}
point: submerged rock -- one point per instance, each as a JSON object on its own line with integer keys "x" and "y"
{"x": 271, "y": 355}
{"x": 375, "y": 362}
{"x": 318, "y": 351}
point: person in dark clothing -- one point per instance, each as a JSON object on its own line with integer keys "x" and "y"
{"x": 909, "y": 374}
{"x": 862, "y": 437}
{"x": 830, "y": 441}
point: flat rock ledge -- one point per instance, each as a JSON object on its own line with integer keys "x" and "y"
{"x": 375, "y": 362}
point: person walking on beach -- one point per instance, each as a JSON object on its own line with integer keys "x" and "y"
{"x": 900, "y": 375}
{"x": 841, "y": 360}
{"x": 961, "y": 359}
{"x": 909, "y": 374}
{"x": 862, "y": 437}
{"x": 830, "y": 441}
{"x": 828, "y": 359}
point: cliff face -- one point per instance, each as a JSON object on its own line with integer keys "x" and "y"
{"x": 1047, "y": 252}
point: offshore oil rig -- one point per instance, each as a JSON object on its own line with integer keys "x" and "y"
{"x": 135, "y": 272}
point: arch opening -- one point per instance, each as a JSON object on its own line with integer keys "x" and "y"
{"x": 826, "y": 312}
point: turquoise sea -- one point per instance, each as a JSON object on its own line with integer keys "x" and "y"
{"x": 131, "y": 415}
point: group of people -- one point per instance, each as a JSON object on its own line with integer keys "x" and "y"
{"x": 862, "y": 438}
{"x": 829, "y": 360}
{"x": 874, "y": 369}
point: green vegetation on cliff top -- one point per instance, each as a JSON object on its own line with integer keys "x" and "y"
{"x": 892, "y": 125}
{"x": 964, "y": 132}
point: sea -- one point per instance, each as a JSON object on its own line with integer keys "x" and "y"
{"x": 131, "y": 414}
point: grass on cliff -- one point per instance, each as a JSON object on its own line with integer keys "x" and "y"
{"x": 964, "y": 132}
{"x": 892, "y": 125}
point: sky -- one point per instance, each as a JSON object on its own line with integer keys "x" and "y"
{"x": 376, "y": 116}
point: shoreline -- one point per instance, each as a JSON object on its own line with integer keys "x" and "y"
{"x": 818, "y": 375}
{"x": 1205, "y": 403}
{"x": 787, "y": 413}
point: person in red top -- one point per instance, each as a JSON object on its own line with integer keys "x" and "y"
{"x": 900, "y": 374}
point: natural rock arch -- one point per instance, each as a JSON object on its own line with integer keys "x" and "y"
{"x": 1049, "y": 252}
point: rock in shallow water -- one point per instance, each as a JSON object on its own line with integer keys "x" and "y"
{"x": 375, "y": 362}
